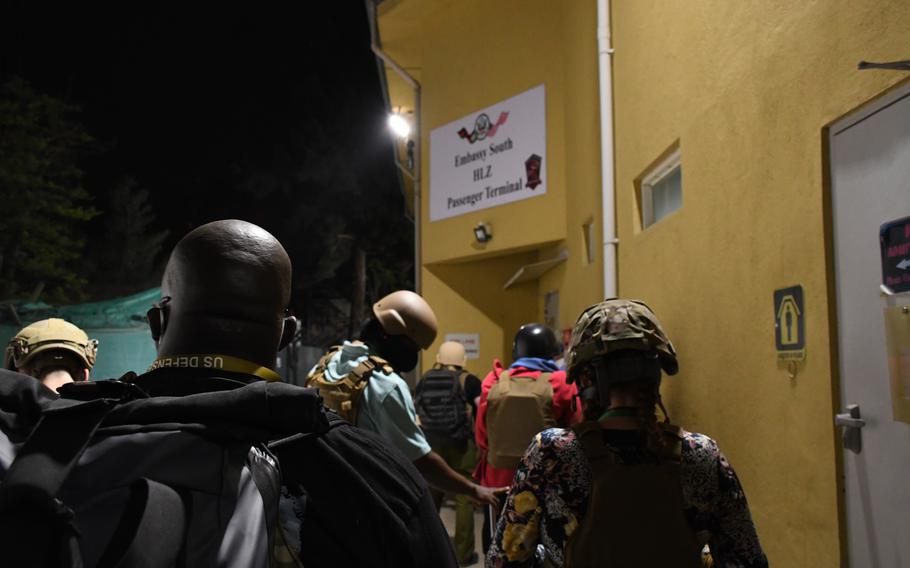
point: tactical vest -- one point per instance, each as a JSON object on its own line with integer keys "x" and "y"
{"x": 518, "y": 408}
{"x": 442, "y": 405}
{"x": 635, "y": 512}
{"x": 344, "y": 395}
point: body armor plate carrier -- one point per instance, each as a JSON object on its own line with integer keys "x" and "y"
{"x": 635, "y": 512}
{"x": 518, "y": 408}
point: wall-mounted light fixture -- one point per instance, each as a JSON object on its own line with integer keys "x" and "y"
{"x": 483, "y": 232}
{"x": 399, "y": 125}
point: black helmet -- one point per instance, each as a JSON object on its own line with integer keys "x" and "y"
{"x": 535, "y": 340}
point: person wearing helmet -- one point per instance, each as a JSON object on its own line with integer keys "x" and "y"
{"x": 446, "y": 402}
{"x": 504, "y": 427}
{"x": 53, "y": 351}
{"x": 621, "y": 488}
{"x": 361, "y": 381}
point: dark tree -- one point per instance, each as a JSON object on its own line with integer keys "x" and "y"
{"x": 44, "y": 206}
{"x": 128, "y": 255}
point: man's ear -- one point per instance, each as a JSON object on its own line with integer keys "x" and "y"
{"x": 287, "y": 332}
{"x": 154, "y": 318}
{"x": 157, "y": 318}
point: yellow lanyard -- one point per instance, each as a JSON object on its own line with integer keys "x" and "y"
{"x": 216, "y": 362}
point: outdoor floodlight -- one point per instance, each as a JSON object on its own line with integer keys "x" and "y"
{"x": 399, "y": 126}
{"x": 483, "y": 233}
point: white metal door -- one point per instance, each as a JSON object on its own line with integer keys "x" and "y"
{"x": 870, "y": 184}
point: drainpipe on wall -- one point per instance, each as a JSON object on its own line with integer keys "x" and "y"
{"x": 608, "y": 199}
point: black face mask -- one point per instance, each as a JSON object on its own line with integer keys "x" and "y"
{"x": 402, "y": 360}
{"x": 399, "y": 350}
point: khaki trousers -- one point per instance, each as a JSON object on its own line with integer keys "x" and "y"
{"x": 461, "y": 456}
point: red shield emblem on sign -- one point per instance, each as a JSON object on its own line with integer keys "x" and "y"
{"x": 532, "y": 170}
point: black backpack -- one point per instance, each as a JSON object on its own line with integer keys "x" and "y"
{"x": 442, "y": 405}
{"x": 350, "y": 499}
{"x": 111, "y": 478}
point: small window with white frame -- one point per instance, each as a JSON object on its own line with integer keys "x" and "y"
{"x": 661, "y": 190}
{"x": 587, "y": 242}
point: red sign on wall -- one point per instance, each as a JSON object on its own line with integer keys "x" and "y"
{"x": 895, "y": 244}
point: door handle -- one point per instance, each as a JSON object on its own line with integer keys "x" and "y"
{"x": 852, "y": 423}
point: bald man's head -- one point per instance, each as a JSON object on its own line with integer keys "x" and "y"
{"x": 229, "y": 281}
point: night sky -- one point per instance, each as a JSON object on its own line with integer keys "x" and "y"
{"x": 269, "y": 114}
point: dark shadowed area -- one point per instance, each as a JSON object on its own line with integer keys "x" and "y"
{"x": 186, "y": 114}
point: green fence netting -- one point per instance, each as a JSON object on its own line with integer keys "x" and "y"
{"x": 119, "y": 325}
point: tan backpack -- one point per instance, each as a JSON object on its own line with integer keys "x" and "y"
{"x": 517, "y": 409}
{"x": 343, "y": 396}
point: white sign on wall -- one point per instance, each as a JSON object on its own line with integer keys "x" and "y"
{"x": 471, "y": 342}
{"x": 494, "y": 156}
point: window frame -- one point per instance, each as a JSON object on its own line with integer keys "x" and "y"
{"x": 654, "y": 176}
{"x": 588, "y": 253}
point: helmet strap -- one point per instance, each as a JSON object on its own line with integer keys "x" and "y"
{"x": 601, "y": 388}
{"x": 663, "y": 409}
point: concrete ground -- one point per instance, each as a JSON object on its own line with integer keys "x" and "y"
{"x": 448, "y": 519}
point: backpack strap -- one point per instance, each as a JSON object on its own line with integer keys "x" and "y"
{"x": 462, "y": 377}
{"x": 364, "y": 370}
{"x": 381, "y": 364}
{"x": 673, "y": 450}
{"x": 263, "y": 468}
{"x": 323, "y": 362}
{"x": 357, "y": 380}
{"x": 458, "y": 383}
{"x": 504, "y": 379}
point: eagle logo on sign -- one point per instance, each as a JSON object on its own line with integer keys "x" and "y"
{"x": 483, "y": 127}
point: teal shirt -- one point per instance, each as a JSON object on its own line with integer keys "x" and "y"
{"x": 386, "y": 408}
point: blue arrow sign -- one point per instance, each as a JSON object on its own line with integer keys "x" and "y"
{"x": 789, "y": 321}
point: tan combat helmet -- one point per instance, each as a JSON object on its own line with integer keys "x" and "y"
{"x": 45, "y": 335}
{"x": 405, "y": 313}
{"x": 615, "y": 325}
{"x": 451, "y": 353}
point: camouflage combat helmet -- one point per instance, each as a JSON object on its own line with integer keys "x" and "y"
{"x": 45, "y": 335}
{"x": 616, "y": 325}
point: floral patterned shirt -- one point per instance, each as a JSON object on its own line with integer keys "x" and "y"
{"x": 550, "y": 492}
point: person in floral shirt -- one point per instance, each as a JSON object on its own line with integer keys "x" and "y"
{"x": 621, "y": 488}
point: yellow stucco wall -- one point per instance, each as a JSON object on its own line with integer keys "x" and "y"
{"x": 468, "y": 55}
{"x": 464, "y": 306}
{"x": 746, "y": 88}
